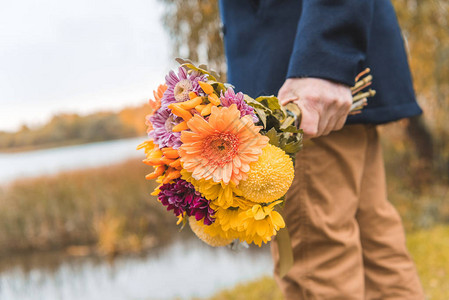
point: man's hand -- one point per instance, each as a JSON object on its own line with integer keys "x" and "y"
{"x": 324, "y": 104}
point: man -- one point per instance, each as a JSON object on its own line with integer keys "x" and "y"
{"x": 347, "y": 239}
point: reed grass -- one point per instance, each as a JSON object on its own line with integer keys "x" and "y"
{"x": 108, "y": 206}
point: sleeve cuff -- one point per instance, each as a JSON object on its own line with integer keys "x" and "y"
{"x": 341, "y": 68}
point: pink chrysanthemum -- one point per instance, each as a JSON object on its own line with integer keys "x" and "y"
{"x": 229, "y": 98}
{"x": 180, "y": 85}
{"x": 162, "y": 134}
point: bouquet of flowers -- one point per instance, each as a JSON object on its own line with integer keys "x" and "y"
{"x": 223, "y": 160}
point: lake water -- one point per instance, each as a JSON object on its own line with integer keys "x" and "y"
{"x": 181, "y": 270}
{"x": 54, "y": 160}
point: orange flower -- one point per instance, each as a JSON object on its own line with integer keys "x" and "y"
{"x": 155, "y": 104}
{"x": 222, "y": 147}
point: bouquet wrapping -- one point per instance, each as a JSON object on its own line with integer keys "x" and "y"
{"x": 223, "y": 160}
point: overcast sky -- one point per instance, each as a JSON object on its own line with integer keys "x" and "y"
{"x": 78, "y": 56}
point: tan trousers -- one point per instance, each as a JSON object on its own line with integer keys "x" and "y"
{"x": 348, "y": 241}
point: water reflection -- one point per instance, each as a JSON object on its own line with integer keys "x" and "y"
{"x": 183, "y": 269}
{"x": 54, "y": 160}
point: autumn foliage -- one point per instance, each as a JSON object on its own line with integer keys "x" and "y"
{"x": 67, "y": 129}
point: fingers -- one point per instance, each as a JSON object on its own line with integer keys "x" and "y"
{"x": 324, "y": 104}
{"x": 310, "y": 120}
{"x": 336, "y": 120}
{"x": 319, "y": 117}
{"x": 326, "y": 125}
{"x": 342, "y": 120}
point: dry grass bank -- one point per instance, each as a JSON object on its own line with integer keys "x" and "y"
{"x": 108, "y": 206}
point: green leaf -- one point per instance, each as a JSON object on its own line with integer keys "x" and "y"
{"x": 228, "y": 85}
{"x": 293, "y": 147}
{"x": 273, "y": 136}
{"x": 283, "y": 137}
{"x": 253, "y": 103}
{"x": 287, "y": 122}
{"x": 273, "y": 122}
{"x": 211, "y": 72}
{"x": 269, "y": 101}
{"x": 201, "y": 68}
{"x": 272, "y": 103}
{"x": 218, "y": 86}
{"x": 202, "y": 71}
{"x": 285, "y": 251}
{"x": 290, "y": 128}
{"x": 262, "y": 116}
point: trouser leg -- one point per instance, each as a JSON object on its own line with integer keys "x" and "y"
{"x": 337, "y": 205}
{"x": 389, "y": 270}
{"x": 320, "y": 215}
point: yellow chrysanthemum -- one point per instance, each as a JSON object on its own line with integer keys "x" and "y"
{"x": 243, "y": 203}
{"x": 255, "y": 224}
{"x": 227, "y": 218}
{"x": 221, "y": 194}
{"x": 210, "y": 234}
{"x": 270, "y": 177}
{"x": 260, "y": 223}
{"x": 251, "y": 222}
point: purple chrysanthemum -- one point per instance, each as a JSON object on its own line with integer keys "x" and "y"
{"x": 181, "y": 196}
{"x": 180, "y": 85}
{"x": 229, "y": 98}
{"x": 162, "y": 134}
{"x": 200, "y": 209}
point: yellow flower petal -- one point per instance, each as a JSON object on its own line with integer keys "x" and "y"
{"x": 258, "y": 212}
{"x": 277, "y": 219}
{"x": 268, "y": 178}
{"x": 201, "y": 231}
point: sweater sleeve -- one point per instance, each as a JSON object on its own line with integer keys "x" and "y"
{"x": 331, "y": 39}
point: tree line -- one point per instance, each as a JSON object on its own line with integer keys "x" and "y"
{"x": 65, "y": 129}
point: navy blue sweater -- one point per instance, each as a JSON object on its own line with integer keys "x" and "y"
{"x": 268, "y": 41}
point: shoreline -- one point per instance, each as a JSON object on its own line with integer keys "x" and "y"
{"x": 67, "y": 143}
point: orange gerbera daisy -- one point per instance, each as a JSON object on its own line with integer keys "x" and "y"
{"x": 222, "y": 147}
{"x": 155, "y": 104}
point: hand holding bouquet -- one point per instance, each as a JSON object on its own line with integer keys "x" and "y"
{"x": 223, "y": 160}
